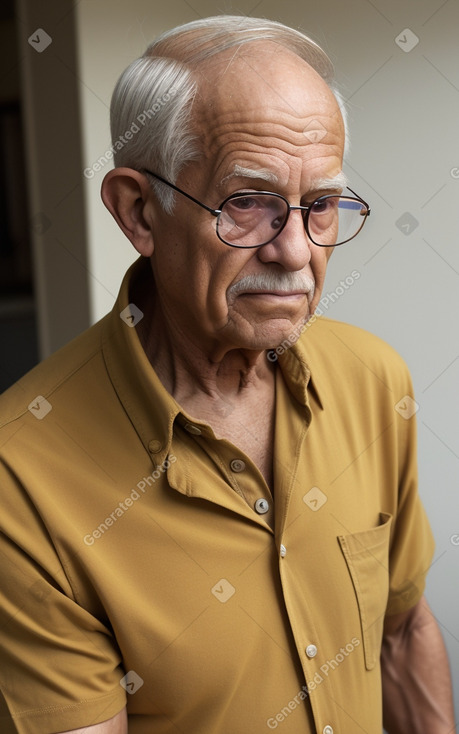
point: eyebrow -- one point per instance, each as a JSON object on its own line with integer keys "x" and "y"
{"x": 263, "y": 174}
{"x": 339, "y": 181}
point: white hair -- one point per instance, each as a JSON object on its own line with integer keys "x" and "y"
{"x": 154, "y": 95}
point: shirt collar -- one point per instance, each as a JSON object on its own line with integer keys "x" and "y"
{"x": 149, "y": 406}
{"x": 298, "y": 372}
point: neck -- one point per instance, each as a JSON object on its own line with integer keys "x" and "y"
{"x": 219, "y": 376}
{"x": 207, "y": 383}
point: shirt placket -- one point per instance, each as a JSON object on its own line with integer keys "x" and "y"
{"x": 240, "y": 472}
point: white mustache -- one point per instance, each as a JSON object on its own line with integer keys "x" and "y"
{"x": 285, "y": 282}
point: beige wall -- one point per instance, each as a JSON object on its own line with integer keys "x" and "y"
{"x": 404, "y": 159}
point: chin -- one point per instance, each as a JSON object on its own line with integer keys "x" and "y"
{"x": 270, "y": 338}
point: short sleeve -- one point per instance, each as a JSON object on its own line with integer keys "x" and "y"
{"x": 412, "y": 544}
{"x": 60, "y": 666}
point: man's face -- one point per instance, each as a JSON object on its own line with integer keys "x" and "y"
{"x": 255, "y": 116}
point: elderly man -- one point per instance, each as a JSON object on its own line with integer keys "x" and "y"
{"x": 211, "y": 521}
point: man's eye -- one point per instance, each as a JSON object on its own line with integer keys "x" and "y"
{"x": 326, "y": 205}
{"x": 319, "y": 206}
{"x": 244, "y": 202}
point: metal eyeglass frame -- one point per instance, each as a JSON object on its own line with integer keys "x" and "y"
{"x": 241, "y": 195}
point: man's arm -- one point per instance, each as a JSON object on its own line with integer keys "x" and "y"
{"x": 116, "y": 725}
{"x": 417, "y": 695}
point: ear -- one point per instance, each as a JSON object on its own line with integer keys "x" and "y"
{"x": 127, "y": 195}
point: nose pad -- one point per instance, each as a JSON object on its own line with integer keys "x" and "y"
{"x": 291, "y": 248}
{"x": 292, "y": 222}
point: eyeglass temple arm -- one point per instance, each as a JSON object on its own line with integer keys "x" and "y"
{"x": 360, "y": 199}
{"x": 215, "y": 212}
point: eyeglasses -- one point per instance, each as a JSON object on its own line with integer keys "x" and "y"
{"x": 253, "y": 219}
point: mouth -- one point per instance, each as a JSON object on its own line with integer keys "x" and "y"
{"x": 275, "y": 295}
{"x": 260, "y": 292}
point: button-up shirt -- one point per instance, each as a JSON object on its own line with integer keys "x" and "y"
{"x": 146, "y": 563}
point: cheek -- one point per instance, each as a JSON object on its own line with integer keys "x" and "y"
{"x": 195, "y": 269}
{"x": 319, "y": 261}
{"x": 206, "y": 275}
{"x": 228, "y": 269}
{"x": 184, "y": 255}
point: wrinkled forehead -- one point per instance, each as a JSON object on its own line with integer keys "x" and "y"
{"x": 262, "y": 105}
{"x": 263, "y": 77}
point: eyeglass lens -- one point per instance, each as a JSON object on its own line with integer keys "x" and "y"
{"x": 254, "y": 220}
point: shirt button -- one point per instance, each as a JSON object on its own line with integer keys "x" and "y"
{"x": 192, "y": 429}
{"x": 283, "y": 551}
{"x": 311, "y": 651}
{"x": 262, "y": 506}
{"x": 155, "y": 446}
{"x": 237, "y": 465}
{"x": 327, "y": 730}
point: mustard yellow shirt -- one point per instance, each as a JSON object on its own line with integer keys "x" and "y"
{"x": 145, "y": 562}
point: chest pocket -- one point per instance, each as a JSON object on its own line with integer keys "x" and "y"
{"x": 367, "y": 558}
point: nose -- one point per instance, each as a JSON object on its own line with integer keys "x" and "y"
{"x": 291, "y": 248}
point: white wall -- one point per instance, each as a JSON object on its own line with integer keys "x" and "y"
{"x": 404, "y": 114}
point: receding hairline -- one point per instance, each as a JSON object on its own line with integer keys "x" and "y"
{"x": 209, "y": 47}
{"x": 194, "y": 42}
